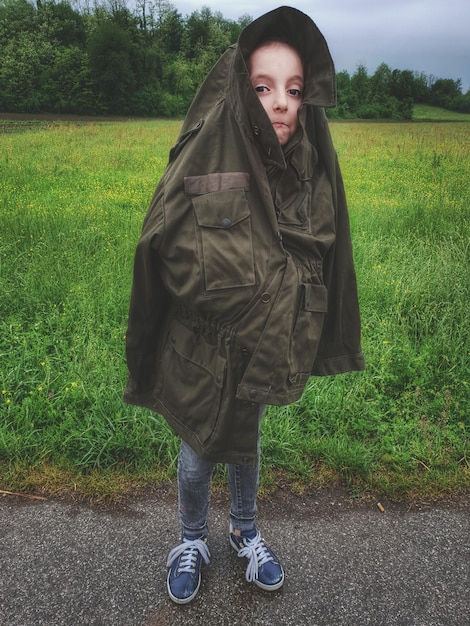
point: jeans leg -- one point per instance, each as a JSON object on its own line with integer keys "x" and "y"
{"x": 194, "y": 485}
{"x": 244, "y": 483}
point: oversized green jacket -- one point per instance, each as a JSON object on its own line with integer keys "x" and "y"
{"x": 244, "y": 284}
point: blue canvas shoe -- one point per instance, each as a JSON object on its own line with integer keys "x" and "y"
{"x": 263, "y": 566}
{"x": 184, "y": 563}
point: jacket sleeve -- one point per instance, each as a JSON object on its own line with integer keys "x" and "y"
{"x": 148, "y": 304}
{"x": 340, "y": 344}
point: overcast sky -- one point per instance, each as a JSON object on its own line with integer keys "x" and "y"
{"x": 430, "y": 36}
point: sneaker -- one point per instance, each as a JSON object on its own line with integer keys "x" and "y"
{"x": 184, "y": 575}
{"x": 263, "y": 567}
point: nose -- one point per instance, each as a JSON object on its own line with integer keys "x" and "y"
{"x": 280, "y": 101}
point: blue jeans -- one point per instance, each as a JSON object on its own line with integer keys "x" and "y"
{"x": 194, "y": 486}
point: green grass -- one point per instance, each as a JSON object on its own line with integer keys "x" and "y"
{"x": 72, "y": 201}
{"x": 425, "y": 112}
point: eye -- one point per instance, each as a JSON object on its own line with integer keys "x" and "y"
{"x": 261, "y": 88}
{"x": 295, "y": 92}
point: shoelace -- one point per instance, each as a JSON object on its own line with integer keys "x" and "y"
{"x": 188, "y": 550}
{"x": 257, "y": 553}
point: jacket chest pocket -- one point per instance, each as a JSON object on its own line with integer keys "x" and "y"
{"x": 224, "y": 239}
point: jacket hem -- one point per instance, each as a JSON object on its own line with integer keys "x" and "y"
{"x": 339, "y": 365}
{"x": 225, "y": 456}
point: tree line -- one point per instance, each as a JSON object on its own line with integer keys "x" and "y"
{"x": 107, "y": 59}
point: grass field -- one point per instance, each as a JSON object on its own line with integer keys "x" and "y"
{"x": 72, "y": 200}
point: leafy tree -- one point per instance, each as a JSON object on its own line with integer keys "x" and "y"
{"x": 60, "y": 23}
{"x": 360, "y": 83}
{"x": 110, "y": 51}
{"x": 420, "y": 87}
{"x": 71, "y": 83}
{"x": 170, "y": 32}
{"x": 179, "y": 82}
{"x": 446, "y": 92}
{"x": 206, "y": 33}
{"x": 380, "y": 82}
{"x": 23, "y": 71}
{"x": 402, "y": 84}
{"x": 463, "y": 103}
{"x": 16, "y": 17}
{"x": 346, "y": 100}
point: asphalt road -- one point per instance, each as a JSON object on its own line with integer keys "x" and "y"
{"x": 63, "y": 563}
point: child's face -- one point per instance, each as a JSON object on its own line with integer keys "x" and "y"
{"x": 277, "y": 76}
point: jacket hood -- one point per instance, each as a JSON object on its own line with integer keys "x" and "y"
{"x": 229, "y": 78}
{"x": 298, "y": 30}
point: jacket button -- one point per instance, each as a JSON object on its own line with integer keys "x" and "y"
{"x": 265, "y": 298}
{"x": 226, "y": 223}
{"x": 256, "y": 130}
{"x": 252, "y": 393}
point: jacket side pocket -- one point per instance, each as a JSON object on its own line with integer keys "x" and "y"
{"x": 191, "y": 379}
{"x": 225, "y": 241}
{"x": 307, "y": 331}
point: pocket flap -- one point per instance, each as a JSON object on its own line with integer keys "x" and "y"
{"x": 217, "y": 181}
{"x": 222, "y": 209}
{"x": 316, "y": 298}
